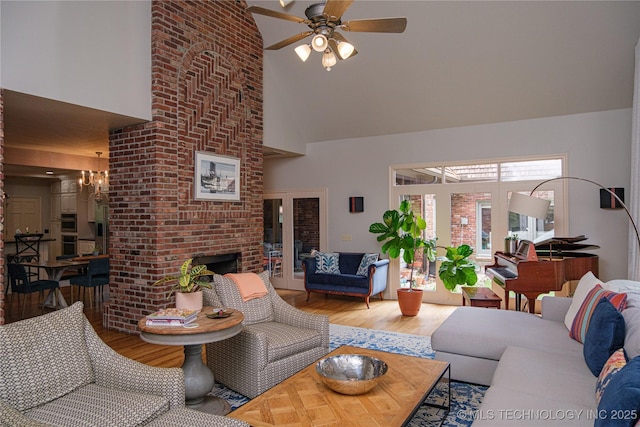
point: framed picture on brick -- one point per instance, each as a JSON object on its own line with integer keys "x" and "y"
{"x": 216, "y": 177}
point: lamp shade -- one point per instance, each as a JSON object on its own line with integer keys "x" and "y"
{"x": 528, "y": 205}
{"x": 285, "y": 3}
{"x": 319, "y": 42}
{"x": 329, "y": 60}
{"x": 345, "y": 49}
{"x": 303, "y": 51}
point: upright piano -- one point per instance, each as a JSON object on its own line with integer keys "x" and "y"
{"x": 538, "y": 269}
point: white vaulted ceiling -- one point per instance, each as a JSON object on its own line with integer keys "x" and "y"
{"x": 458, "y": 63}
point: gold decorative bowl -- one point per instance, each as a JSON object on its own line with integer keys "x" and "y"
{"x": 351, "y": 373}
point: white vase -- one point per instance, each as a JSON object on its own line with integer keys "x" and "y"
{"x": 189, "y": 301}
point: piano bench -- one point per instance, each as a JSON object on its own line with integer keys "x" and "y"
{"x": 480, "y": 297}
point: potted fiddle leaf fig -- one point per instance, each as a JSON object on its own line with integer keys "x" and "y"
{"x": 188, "y": 285}
{"x": 402, "y": 233}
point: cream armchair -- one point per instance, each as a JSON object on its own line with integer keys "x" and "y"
{"x": 56, "y": 371}
{"x": 277, "y": 341}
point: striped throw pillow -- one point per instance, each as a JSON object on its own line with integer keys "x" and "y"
{"x": 581, "y": 322}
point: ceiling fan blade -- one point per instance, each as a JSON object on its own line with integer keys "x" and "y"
{"x": 287, "y": 42}
{"x": 382, "y": 25}
{"x": 336, "y": 8}
{"x": 275, "y": 14}
{"x": 339, "y": 37}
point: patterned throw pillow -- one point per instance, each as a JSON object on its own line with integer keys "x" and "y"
{"x": 613, "y": 365}
{"x": 328, "y": 262}
{"x": 367, "y": 260}
{"x": 583, "y": 317}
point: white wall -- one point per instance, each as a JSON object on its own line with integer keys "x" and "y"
{"x": 283, "y": 137}
{"x": 60, "y": 49}
{"x": 597, "y": 144}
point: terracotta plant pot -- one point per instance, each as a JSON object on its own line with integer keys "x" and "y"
{"x": 409, "y": 301}
{"x": 190, "y": 301}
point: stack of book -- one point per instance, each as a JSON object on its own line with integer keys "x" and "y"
{"x": 171, "y": 317}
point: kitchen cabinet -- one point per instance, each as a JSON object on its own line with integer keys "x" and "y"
{"x": 68, "y": 186}
{"x": 56, "y": 187}
{"x": 68, "y": 203}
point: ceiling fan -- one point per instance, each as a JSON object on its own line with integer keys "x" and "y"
{"x": 323, "y": 20}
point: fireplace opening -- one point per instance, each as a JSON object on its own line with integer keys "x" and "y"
{"x": 219, "y": 264}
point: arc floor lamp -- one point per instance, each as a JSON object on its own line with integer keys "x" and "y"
{"x": 537, "y": 207}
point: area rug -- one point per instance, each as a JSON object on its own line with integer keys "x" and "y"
{"x": 465, "y": 398}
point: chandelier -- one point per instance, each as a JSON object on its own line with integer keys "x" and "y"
{"x": 95, "y": 179}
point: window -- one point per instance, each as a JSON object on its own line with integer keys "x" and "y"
{"x": 468, "y": 204}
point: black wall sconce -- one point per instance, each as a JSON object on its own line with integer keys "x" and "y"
{"x": 608, "y": 200}
{"x": 356, "y": 204}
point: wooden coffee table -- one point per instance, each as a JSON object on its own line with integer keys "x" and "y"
{"x": 303, "y": 400}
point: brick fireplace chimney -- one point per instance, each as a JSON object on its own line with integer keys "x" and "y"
{"x": 206, "y": 96}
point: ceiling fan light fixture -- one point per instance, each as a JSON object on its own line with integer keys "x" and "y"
{"x": 345, "y": 49}
{"x": 329, "y": 59}
{"x": 303, "y": 51}
{"x": 319, "y": 42}
{"x": 285, "y": 3}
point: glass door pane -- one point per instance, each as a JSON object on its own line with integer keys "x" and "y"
{"x": 306, "y": 231}
{"x": 530, "y": 228}
{"x": 424, "y": 271}
{"x": 273, "y": 216}
{"x": 471, "y": 225}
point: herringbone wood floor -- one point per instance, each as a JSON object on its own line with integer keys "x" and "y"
{"x": 348, "y": 311}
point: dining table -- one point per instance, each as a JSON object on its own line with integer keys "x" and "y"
{"x": 55, "y": 269}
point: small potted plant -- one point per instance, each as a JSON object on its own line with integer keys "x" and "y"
{"x": 189, "y": 285}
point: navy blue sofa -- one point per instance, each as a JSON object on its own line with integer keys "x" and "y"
{"x": 347, "y": 282}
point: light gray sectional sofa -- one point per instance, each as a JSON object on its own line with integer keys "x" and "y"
{"x": 536, "y": 372}
{"x": 56, "y": 371}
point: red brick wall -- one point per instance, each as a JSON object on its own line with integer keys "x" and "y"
{"x": 2, "y": 258}
{"x": 306, "y": 214}
{"x": 463, "y": 205}
{"x": 206, "y": 96}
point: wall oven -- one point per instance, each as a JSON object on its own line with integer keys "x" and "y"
{"x": 69, "y": 244}
{"x": 69, "y": 223}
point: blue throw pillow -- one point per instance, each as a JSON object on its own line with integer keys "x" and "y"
{"x": 620, "y": 401}
{"x": 367, "y": 260}
{"x": 328, "y": 262}
{"x": 604, "y": 336}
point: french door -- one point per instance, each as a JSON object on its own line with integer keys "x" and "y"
{"x": 295, "y": 223}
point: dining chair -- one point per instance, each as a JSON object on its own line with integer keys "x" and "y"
{"x": 96, "y": 276}
{"x": 21, "y": 284}
{"x": 28, "y": 250}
